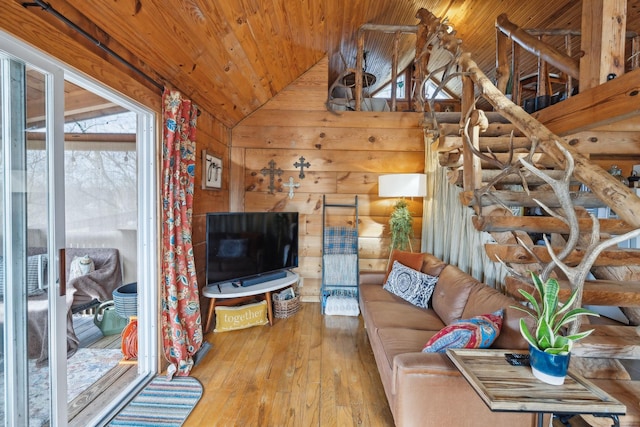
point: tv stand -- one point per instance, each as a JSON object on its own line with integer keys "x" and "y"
{"x": 228, "y": 293}
{"x": 264, "y": 277}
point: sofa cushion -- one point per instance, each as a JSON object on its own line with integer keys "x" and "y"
{"x": 376, "y": 293}
{"x": 476, "y": 332}
{"x": 395, "y": 341}
{"x": 451, "y": 293}
{"x": 400, "y": 314}
{"x": 412, "y": 285}
{"x": 431, "y": 265}
{"x": 410, "y": 259}
{"x": 485, "y": 299}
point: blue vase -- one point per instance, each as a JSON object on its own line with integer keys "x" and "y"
{"x": 548, "y": 368}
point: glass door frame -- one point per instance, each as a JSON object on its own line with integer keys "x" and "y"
{"x": 16, "y": 376}
{"x": 147, "y": 147}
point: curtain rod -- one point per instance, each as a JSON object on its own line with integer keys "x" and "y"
{"x": 47, "y": 8}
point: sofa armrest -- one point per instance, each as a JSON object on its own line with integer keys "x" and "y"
{"x": 422, "y": 364}
{"x": 429, "y": 390}
{"x": 372, "y": 277}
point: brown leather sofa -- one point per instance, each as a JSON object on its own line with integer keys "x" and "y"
{"x": 426, "y": 389}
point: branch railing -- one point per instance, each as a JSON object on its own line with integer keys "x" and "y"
{"x": 533, "y": 41}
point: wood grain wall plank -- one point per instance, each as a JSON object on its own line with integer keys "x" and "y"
{"x": 329, "y": 138}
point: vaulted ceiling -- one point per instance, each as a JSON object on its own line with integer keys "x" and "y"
{"x": 232, "y": 56}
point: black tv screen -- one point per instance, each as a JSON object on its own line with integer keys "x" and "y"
{"x": 241, "y": 245}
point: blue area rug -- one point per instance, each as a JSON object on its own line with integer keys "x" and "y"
{"x": 161, "y": 403}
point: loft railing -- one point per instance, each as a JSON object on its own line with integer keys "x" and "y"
{"x": 535, "y": 41}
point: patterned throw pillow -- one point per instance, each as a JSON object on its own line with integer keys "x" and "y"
{"x": 477, "y": 332}
{"x": 241, "y": 317}
{"x": 410, "y": 285}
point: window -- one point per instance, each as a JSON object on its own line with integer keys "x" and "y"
{"x": 385, "y": 92}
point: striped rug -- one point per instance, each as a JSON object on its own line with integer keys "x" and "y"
{"x": 161, "y": 403}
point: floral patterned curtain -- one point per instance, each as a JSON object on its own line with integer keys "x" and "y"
{"x": 181, "y": 320}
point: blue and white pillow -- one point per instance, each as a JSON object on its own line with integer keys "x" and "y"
{"x": 411, "y": 285}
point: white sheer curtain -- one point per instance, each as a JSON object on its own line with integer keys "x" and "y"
{"x": 448, "y": 231}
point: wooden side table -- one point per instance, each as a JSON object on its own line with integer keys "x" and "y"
{"x": 504, "y": 387}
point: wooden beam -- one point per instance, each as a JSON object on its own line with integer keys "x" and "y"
{"x": 604, "y": 23}
{"x": 518, "y": 255}
{"x": 608, "y": 103}
{"x": 545, "y": 224}
{"x": 91, "y": 137}
{"x": 521, "y": 198}
{"x": 596, "y": 292}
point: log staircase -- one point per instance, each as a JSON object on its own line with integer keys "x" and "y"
{"x": 485, "y": 148}
{"x": 498, "y": 139}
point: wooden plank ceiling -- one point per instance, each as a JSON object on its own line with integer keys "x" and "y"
{"x": 232, "y": 56}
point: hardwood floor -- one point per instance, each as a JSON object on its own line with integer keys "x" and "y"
{"x": 306, "y": 370}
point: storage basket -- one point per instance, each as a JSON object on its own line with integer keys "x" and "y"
{"x": 125, "y": 299}
{"x": 286, "y": 308}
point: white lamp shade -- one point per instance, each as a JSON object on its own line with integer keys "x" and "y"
{"x": 402, "y": 185}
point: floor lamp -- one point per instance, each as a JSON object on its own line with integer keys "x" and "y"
{"x": 402, "y": 185}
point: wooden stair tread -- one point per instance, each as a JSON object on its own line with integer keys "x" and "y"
{"x": 513, "y": 179}
{"x": 516, "y": 254}
{"x": 613, "y": 341}
{"x": 545, "y": 224}
{"x": 521, "y": 198}
{"x": 596, "y": 292}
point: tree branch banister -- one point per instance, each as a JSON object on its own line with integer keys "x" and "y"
{"x": 548, "y": 53}
{"x": 611, "y": 191}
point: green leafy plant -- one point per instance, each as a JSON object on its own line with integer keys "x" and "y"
{"x": 550, "y": 317}
{"x": 400, "y": 226}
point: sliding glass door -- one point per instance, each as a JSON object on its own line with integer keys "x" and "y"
{"x": 33, "y": 295}
{"x": 108, "y": 181}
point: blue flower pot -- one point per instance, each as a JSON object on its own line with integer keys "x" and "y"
{"x": 548, "y": 368}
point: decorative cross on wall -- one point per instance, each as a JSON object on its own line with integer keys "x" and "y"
{"x": 301, "y": 164}
{"x": 272, "y": 171}
{"x": 291, "y": 186}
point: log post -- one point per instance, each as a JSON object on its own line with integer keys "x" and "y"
{"x": 502, "y": 61}
{"x": 472, "y": 166}
{"x": 604, "y": 24}
{"x": 516, "y": 89}
{"x": 394, "y": 71}
{"x": 359, "y": 59}
{"x": 608, "y": 189}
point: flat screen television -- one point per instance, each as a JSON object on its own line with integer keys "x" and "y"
{"x": 243, "y": 247}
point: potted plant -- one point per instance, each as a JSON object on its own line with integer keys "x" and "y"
{"x": 549, "y": 349}
{"x": 400, "y": 227}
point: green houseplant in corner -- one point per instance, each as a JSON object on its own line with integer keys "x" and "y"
{"x": 549, "y": 349}
{"x": 400, "y": 224}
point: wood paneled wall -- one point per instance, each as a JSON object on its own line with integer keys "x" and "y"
{"x": 347, "y": 152}
{"x": 213, "y": 136}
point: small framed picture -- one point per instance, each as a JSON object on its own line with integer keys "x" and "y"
{"x": 211, "y": 171}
